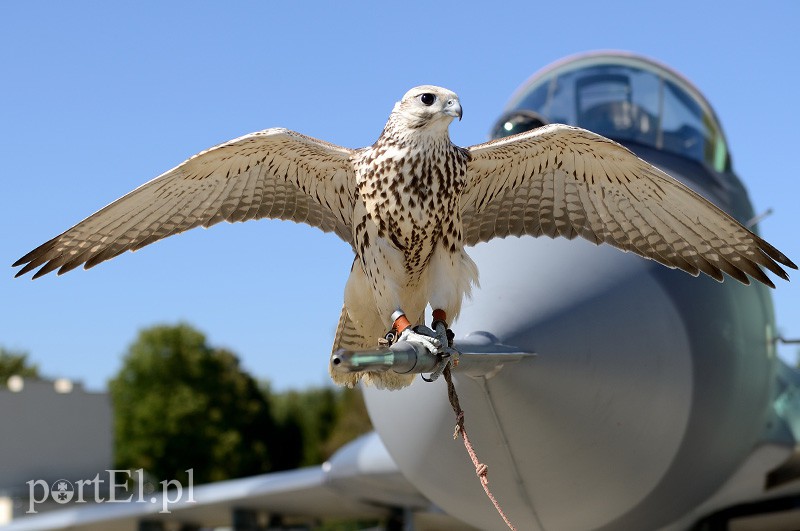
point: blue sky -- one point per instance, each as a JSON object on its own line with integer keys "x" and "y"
{"x": 98, "y": 97}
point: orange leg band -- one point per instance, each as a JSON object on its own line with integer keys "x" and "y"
{"x": 440, "y": 315}
{"x": 401, "y": 323}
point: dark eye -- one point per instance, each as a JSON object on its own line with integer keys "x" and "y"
{"x": 427, "y": 99}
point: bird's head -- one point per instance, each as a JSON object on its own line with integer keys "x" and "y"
{"x": 428, "y": 108}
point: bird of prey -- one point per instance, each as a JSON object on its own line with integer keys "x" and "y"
{"x": 410, "y": 203}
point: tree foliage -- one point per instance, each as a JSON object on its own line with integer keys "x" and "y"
{"x": 16, "y": 363}
{"x": 352, "y": 420}
{"x": 308, "y": 417}
{"x": 181, "y": 404}
{"x": 314, "y": 423}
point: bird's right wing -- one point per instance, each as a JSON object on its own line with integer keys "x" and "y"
{"x": 275, "y": 173}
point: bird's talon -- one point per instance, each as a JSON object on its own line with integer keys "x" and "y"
{"x": 432, "y": 344}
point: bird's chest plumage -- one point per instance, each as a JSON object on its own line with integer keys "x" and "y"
{"x": 409, "y": 199}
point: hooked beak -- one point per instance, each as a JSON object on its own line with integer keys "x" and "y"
{"x": 453, "y": 108}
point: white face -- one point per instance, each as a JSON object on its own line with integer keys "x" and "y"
{"x": 428, "y": 107}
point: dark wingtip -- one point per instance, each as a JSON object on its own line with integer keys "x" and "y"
{"x": 775, "y": 254}
{"x": 27, "y": 268}
{"x": 783, "y": 260}
{"x": 21, "y": 262}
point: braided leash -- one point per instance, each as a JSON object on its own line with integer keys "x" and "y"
{"x": 480, "y": 469}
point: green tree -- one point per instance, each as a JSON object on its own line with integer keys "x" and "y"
{"x": 15, "y": 362}
{"x": 181, "y": 404}
{"x": 352, "y": 420}
{"x": 314, "y": 423}
{"x": 312, "y": 414}
{"x": 289, "y": 452}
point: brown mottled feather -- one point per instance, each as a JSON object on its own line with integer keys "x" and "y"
{"x": 274, "y": 173}
{"x": 564, "y": 181}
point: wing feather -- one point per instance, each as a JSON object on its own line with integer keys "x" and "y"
{"x": 275, "y": 173}
{"x": 559, "y": 180}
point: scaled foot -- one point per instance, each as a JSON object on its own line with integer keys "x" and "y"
{"x": 424, "y": 336}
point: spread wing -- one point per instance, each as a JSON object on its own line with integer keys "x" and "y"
{"x": 559, "y": 180}
{"x": 275, "y": 173}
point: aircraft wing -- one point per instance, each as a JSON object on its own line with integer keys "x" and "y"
{"x": 361, "y": 481}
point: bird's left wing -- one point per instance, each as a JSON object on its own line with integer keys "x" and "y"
{"x": 565, "y": 181}
{"x": 275, "y": 173}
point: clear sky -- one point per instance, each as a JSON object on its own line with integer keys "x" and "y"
{"x": 99, "y": 97}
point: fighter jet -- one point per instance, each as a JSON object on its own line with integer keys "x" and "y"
{"x": 604, "y": 392}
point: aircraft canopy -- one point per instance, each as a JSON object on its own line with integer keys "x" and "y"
{"x": 624, "y": 97}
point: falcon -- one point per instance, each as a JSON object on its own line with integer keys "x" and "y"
{"x": 409, "y": 205}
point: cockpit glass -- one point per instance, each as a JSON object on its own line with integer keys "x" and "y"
{"x": 632, "y": 104}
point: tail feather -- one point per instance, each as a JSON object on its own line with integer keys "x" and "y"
{"x": 351, "y": 335}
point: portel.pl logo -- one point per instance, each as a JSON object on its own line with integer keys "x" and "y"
{"x": 116, "y": 488}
